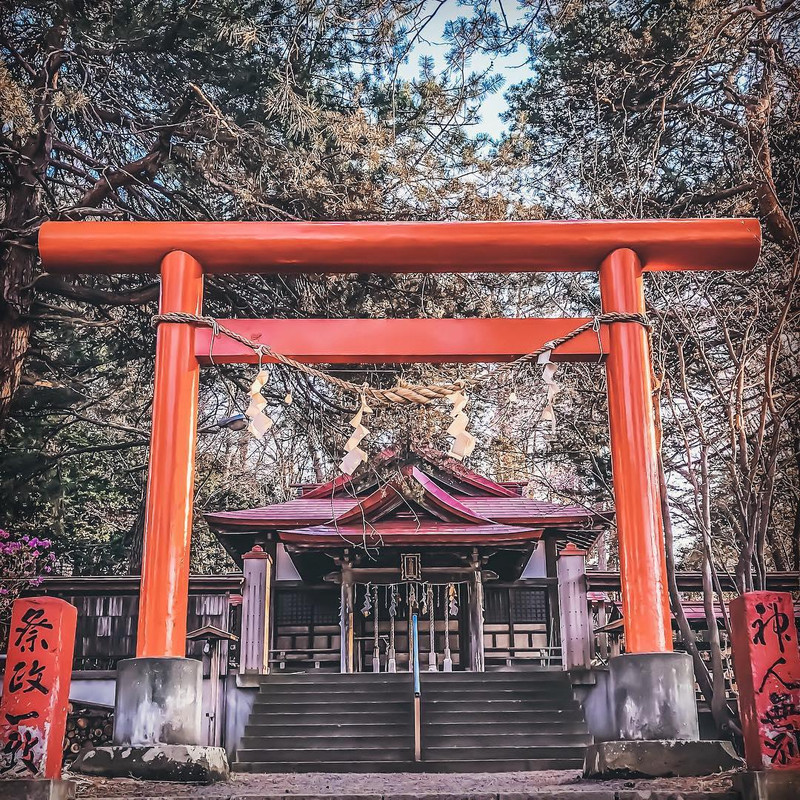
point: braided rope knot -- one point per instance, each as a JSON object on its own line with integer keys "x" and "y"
{"x": 403, "y": 393}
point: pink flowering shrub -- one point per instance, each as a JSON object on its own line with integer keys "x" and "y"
{"x": 23, "y": 562}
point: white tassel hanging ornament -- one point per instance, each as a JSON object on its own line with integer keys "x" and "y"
{"x": 260, "y": 422}
{"x": 464, "y": 442}
{"x": 367, "y": 607}
{"x": 355, "y": 455}
{"x": 447, "y": 663}
{"x": 452, "y": 600}
{"x": 553, "y": 388}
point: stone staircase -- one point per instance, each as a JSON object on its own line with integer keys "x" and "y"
{"x": 471, "y": 722}
{"x": 329, "y": 723}
{"x": 501, "y": 722}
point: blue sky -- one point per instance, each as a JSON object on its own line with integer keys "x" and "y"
{"x": 512, "y": 67}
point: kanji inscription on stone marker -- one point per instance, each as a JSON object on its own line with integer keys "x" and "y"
{"x": 766, "y": 661}
{"x": 33, "y": 708}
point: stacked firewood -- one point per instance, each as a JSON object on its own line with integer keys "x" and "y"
{"x": 87, "y": 725}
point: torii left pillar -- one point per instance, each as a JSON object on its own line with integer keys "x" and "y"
{"x": 159, "y": 693}
{"x": 159, "y": 697}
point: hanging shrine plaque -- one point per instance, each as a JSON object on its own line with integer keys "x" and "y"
{"x": 33, "y": 709}
{"x": 410, "y": 567}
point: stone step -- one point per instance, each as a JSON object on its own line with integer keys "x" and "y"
{"x": 483, "y": 678}
{"x": 494, "y": 729}
{"x": 469, "y": 718}
{"x": 482, "y": 716}
{"x": 520, "y": 739}
{"x": 367, "y": 679}
{"x": 309, "y": 695}
{"x": 326, "y": 766}
{"x": 499, "y": 704}
{"x": 371, "y": 727}
{"x": 287, "y": 703}
{"x": 450, "y": 766}
{"x": 447, "y": 728}
{"x": 337, "y": 691}
{"x": 332, "y": 678}
{"x": 465, "y": 696}
{"x": 355, "y": 754}
{"x": 471, "y": 722}
{"x": 429, "y": 678}
{"x": 323, "y": 740}
{"x": 312, "y": 715}
{"x": 492, "y": 753}
{"x": 498, "y": 675}
{"x": 445, "y": 679}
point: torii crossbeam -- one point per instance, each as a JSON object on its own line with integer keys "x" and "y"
{"x": 620, "y": 251}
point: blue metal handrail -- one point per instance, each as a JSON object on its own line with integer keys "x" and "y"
{"x": 415, "y": 637}
{"x": 417, "y": 689}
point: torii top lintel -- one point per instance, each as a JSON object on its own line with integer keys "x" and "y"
{"x": 318, "y": 247}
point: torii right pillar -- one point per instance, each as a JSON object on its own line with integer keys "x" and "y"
{"x": 651, "y": 689}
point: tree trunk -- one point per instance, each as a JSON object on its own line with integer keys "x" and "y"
{"x": 24, "y": 213}
{"x": 702, "y": 675}
{"x": 719, "y": 705}
{"x": 134, "y": 539}
{"x": 16, "y": 296}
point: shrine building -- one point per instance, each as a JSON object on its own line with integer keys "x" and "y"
{"x": 423, "y": 532}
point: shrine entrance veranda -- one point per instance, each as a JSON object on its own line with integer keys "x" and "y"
{"x": 182, "y": 252}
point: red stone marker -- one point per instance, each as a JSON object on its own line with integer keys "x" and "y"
{"x": 766, "y": 661}
{"x": 33, "y": 709}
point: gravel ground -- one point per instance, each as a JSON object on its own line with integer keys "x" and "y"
{"x": 478, "y": 786}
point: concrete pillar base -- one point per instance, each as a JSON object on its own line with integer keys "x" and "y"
{"x": 657, "y": 759}
{"x": 36, "y": 789}
{"x": 652, "y": 696}
{"x": 158, "y": 701}
{"x": 158, "y": 762}
{"x": 775, "y": 784}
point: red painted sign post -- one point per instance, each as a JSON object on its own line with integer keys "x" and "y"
{"x": 33, "y": 709}
{"x": 766, "y": 661}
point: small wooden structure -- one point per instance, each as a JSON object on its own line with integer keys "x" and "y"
{"x": 213, "y": 640}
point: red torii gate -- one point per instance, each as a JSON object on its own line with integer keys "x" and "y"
{"x": 620, "y": 251}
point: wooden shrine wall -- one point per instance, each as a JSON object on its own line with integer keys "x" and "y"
{"x": 517, "y": 628}
{"x": 108, "y": 619}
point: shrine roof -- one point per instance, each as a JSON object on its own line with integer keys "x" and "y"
{"x": 417, "y": 493}
{"x": 408, "y": 532}
{"x": 302, "y": 512}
